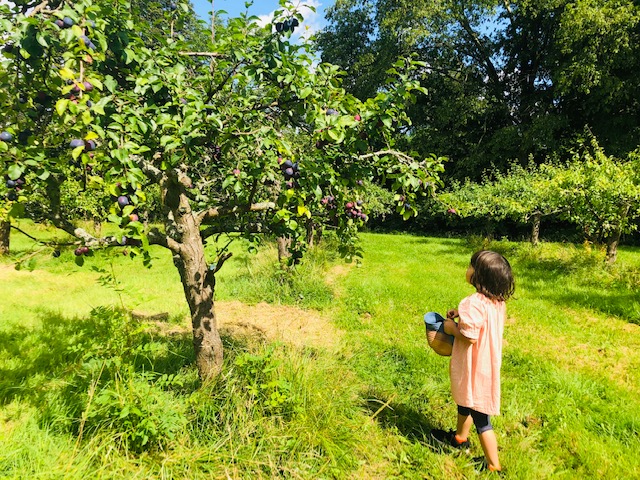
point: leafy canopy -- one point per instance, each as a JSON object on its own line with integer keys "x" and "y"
{"x": 246, "y": 134}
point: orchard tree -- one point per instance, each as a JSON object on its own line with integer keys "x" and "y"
{"x": 601, "y": 194}
{"x": 522, "y": 194}
{"x": 80, "y": 88}
{"x": 598, "y": 193}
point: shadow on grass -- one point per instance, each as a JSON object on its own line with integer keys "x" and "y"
{"x": 573, "y": 282}
{"x": 410, "y": 423}
{"x": 69, "y": 350}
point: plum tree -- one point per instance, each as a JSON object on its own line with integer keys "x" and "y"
{"x": 210, "y": 128}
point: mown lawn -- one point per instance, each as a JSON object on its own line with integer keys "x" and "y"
{"x": 87, "y": 393}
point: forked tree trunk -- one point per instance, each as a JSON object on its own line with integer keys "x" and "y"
{"x": 535, "y": 228}
{"x": 198, "y": 283}
{"x": 5, "y": 235}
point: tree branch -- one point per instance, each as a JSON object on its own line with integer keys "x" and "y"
{"x": 480, "y": 48}
{"x": 205, "y": 215}
{"x": 201, "y": 54}
{"x": 37, "y": 240}
{"x": 221, "y": 260}
{"x": 151, "y": 171}
{"x": 38, "y": 8}
{"x": 156, "y": 237}
{"x": 81, "y": 234}
{"x": 217, "y": 230}
{"x": 399, "y": 155}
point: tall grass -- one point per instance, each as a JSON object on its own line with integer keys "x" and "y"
{"x": 87, "y": 392}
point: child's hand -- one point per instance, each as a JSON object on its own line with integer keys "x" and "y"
{"x": 450, "y": 327}
{"x": 453, "y": 313}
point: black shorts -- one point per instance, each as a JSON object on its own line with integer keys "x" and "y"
{"x": 482, "y": 421}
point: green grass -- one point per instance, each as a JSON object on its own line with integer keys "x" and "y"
{"x": 86, "y": 393}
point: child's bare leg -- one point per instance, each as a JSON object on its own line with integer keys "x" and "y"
{"x": 464, "y": 426}
{"x": 490, "y": 448}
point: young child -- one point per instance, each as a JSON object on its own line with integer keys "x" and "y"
{"x": 477, "y": 353}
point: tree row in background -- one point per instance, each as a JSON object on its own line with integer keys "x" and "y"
{"x": 599, "y": 194}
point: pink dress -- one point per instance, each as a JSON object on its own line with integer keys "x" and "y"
{"x": 475, "y": 368}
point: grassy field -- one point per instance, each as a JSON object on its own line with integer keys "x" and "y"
{"x": 85, "y": 392}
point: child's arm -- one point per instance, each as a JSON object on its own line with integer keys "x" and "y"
{"x": 451, "y": 328}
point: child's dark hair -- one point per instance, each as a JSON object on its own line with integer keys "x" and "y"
{"x": 492, "y": 275}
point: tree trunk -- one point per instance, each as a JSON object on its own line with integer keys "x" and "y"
{"x": 314, "y": 233}
{"x": 97, "y": 226}
{"x": 535, "y": 228}
{"x": 199, "y": 285}
{"x": 612, "y": 247}
{"x": 198, "y": 282}
{"x": 5, "y": 234}
{"x": 283, "y": 249}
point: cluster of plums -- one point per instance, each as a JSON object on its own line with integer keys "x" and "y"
{"x": 87, "y": 86}
{"x": 291, "y": 172}
{"x": 80, "y": 251}
{"x": 15, "y": 185}
{"x": 329, "y": 201}
{"x": 65, "y": 22}
{"x": 89, "y": 145}
{"x": 353, "y": 210}
{"x": 289, "y": 25}
{"x": 123, "y": 201}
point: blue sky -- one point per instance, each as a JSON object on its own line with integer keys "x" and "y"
{"x": 265, "y": 8}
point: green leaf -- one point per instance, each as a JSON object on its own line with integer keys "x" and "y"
{"x": 110, "y": 83}
{"x": 61, "y": 105}
{"x": 305, "y": 92}
{"x": 77, "y": 152}
{"x": 15, "y": 171}
{"x": 17, "y": 210}
{"x": 42, "y": 41}
{"x": 336, "y": 135}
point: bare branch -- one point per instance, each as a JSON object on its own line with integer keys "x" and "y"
{"x": 38, "y": 8}
{"x": 399, "y": 155}
{"x": 256, "y": 228}
{"x": 81, "y": 234}
{"x": 32, "y": 237}
{"x": 201, "y": 54}
{"x": 156, "y": 237}
{"x": 221, "y": 260}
